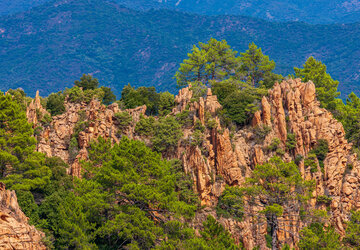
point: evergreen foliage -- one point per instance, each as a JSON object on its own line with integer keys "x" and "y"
{"x": 117, "y": 203}
{"x": 256, "y": 68}
{"x": 55, "y": 103}
{"x": 156, "y": 103}
{"x": 123, "y": 120}
{"x": 109, "y": 96}
{"x": 130, "y": 197}
{"x": 166, "y": 135}
{"x": 145, "y": 126}
{"x": 214, "y": 60}
{"x": 21, "y": 168}
{"x": 352, "y": 237}
{"x": 19, "y": 96}
{"x": 239, "y": 100}
{"x": 315, "y": 237}
{"x": 87, "y": 82}
{"x": 326, "y": 87}
{"x": 277, "y": 187}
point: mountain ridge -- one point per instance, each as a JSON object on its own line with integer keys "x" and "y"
{"x": 49, "y": 47}
{"x": 344, "y": 11}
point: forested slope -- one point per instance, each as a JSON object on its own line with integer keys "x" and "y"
{"x": 54, "y": 44}
{"x": 255, "y": 160}
{"x": 323, "y": 11}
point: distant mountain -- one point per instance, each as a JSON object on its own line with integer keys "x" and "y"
{"x": 310, "y": 11}
{"x": 50, "y": 46}
{"x": 12, "y": 6}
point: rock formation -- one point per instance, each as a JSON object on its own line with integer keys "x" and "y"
{"x": 15, "y": 232}
{"x": 35, "y": 109}
{"x": 100, "y": 121}
{"x": 290, "y": 107}
{"x": 227, "y": 157}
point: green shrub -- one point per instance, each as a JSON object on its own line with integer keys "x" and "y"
{"x": 167, "y": 135}
{"x": 225, "y": 119}
{"x": 352, "y": 237}
{"x": 87, "y": 82}
{"x": 46, "y": 120}
{"x": 324, "y": 199}
{"x": 37, "y": 131}
{"x": 156, "y": 103}
{"x": 55, "y": 103}
{"x": 145, "y": 126}
{"x": 231, "y": 203}
{"x": 199, "y": 90}
{"x": 321, "y": 150}
{"x": 166, "y": 103}
{"x": 274, "y": 144}
{"x": 199, "y": 126}
{"x": 316, "y": 236}
{"x": 211, "y": 123}
{"x": 310, "y": 161}
{"x": 109, "y": 96}
{"x": 197, "y": 138}
{"x": 122, "y": 120}
{"x": 77, "y": 95}
{"x": 184, "y": 118}
{"x": 19, "y": 96}
{"x": 91, "y": 94}
{"x": 290, "y": 141}
{"x": 28, "y": 205}
{"x": 239, "y": 107}
{"x": 280, "y": 151}
{"x": 298, "y": 159}
{"x": 260, "y": 132}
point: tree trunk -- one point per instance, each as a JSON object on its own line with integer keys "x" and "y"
{"x": 274, "y": 228}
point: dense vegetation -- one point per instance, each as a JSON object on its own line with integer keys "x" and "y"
{"x": 135, "y": 199}
{"x": 53, "y": 45}
{"x": 130, "y": 196}
{"x": 332, "y": 11}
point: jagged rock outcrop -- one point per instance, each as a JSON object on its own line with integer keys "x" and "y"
{"x": 290, "y": 107}
{"x": 15, "y": 232}
{"x": 228, "y": 157}
{"x": 100, "y": 121}
{"x": 35, "y": 109}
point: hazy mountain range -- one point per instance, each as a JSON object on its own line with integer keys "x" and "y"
{"x": 50, "y": 46}
{"x": 310, "y": 11}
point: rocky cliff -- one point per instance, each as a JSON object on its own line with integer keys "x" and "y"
{"x": 227, "y": 157}
{"x": 15, "y": 232}
{"x": 290, "y": 107}
{"x": 55, "y": 137}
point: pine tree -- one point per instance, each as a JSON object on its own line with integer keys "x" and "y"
{"x": 352, "y": 237}
{"x": 326, "y": 87}
{"x": 87, "y": 82}
{"x": 55, "y": 103}
{"x": 256, "y": 68}
{"x": 277, "y": 188}
{"x": 214, "y": 60}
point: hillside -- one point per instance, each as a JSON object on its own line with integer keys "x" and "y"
{"x": 12, "y": 6}
{"x": 54, "y": 44}
{"x": 323, "y": 11}
{"x": 217, "y": 159}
